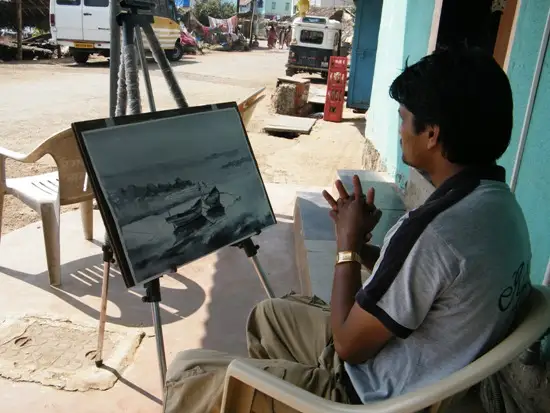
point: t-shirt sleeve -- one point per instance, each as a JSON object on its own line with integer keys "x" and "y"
{"x": 400, "y": 296}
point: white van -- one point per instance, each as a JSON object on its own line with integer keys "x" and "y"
{"x": 83, "y": 25}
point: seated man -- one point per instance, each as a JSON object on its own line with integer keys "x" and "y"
{"x": 446, "y": 284}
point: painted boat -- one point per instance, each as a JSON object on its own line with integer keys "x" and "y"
{"x": 187, "y": 217}
{"x": 213, "y": 198}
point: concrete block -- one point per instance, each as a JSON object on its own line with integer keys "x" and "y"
{"x": 388, "y": 196}
{"x": 315, "y": 242}
{"x": 418, "y": 189}
{"x": 314, "y": 214}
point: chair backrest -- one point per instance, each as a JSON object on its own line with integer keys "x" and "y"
{"x": 63, "y": 148}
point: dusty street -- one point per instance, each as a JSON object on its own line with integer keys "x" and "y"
{"x": 39, "y": 99}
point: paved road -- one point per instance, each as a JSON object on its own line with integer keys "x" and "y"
{"x": 40, "y": 99}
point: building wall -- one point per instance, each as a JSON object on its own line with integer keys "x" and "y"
{"x": 331, "y": 3}
{"x": 382, "y": 120}
{"x": 404, "y": 34}
{"x": 533, "y": 187}
{"x": 282, "y": 7}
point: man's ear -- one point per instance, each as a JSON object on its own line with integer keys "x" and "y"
{"x": 433, "y": 136}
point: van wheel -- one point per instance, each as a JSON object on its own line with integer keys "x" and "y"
{"x": 81, "y": 57}
{"x": 290, "y": 72}
{"x": 175, "y": 54}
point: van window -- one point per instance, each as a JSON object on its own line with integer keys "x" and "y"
{"x": 68, "y": 2}
{"x": 311, "y": 36}
{"x": 318, "y": 20}
{"x": 96, "y": 3}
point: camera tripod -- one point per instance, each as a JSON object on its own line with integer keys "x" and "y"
{"x": 131, "y": 17}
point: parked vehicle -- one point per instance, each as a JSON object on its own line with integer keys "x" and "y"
{"x": 84, "y": 26}
{"x": 313, "y": 41}
{"x": 189, "y": 43}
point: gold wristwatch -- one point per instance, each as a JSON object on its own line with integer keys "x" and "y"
{"x": 348, "y": 256}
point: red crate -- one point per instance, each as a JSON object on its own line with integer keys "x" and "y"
{"x": 336, "y": 79}
{"x": 334, "y": 105}
{"x": 336, "y": 88}
{"x": 339, "y": 63}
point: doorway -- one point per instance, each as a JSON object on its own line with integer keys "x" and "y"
{"x": 487, "y": 24}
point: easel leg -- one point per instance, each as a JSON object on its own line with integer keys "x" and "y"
{"x": 262, "y": 276}
{"x": 152, "y": 290}
{"x": 251, "y": 249}
{"x": 107, "y": 259}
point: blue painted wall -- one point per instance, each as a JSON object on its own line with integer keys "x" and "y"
{"x": 526, "y": 42}
{"x": 363, "y": 55}
{"x": 533, "y": 189}
{"x": 382, "y": 118}
{"x": 404, "y": 35}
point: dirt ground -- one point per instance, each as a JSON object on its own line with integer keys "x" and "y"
{"x": 40, "y": 99}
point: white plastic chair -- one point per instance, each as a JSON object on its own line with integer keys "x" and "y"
{"x": 47, "y": 192}
{"x": 243, "y": 379}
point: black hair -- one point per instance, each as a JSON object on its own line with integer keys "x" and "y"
{"x": 467, "y": 94}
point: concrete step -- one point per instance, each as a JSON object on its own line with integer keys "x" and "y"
{"x": 314, "y": 236}
{"x": 315, "y": 244}
{"x": 388, "y": 198}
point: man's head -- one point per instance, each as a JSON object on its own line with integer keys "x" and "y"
{"x": 455, "y": 108}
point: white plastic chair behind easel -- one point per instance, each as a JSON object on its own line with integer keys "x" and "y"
{"x": 47, "y": 192}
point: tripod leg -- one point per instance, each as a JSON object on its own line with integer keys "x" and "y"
{"x": 160, "y": 342}
{"x": 152, "y": 296}
{"x": 164, "y": 66}
{"x": 130, "y": 68}
{"x": 145, "y": 69}
{"x": 102, "y": 314}
{"x": 262, "y": 276}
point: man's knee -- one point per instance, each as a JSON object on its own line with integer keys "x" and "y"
{"x": 195, "y": 360}
{"x": 266, "y": 311}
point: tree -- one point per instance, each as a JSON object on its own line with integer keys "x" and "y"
{"x": 218, "y": 9}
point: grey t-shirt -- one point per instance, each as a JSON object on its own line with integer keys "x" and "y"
{"x": 454, "y": 296}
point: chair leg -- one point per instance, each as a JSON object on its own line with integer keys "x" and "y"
{"x": 87, "y": 215}
{"x": 50, "y": 223}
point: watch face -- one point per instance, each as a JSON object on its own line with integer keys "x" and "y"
{"x": 345, "y": 256}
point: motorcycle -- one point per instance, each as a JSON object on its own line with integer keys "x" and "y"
{"x": 189, "y": 44}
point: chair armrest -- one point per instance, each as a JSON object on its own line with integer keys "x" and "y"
{"x": 16, "y": 156}
{"x": 270, "y": 385}
{"x": 299, "y": 399}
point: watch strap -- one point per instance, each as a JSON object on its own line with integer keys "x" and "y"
{"x": 348, "y": 256}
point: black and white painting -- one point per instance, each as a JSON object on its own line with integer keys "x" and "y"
{"x": 179, "y": 188}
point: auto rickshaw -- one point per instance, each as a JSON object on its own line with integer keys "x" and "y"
{"x": 314, "y": 40}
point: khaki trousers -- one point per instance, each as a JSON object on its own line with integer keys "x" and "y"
{"x": 289, "y": 337}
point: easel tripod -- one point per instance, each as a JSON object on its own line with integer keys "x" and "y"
{"x": 134, "y": 16}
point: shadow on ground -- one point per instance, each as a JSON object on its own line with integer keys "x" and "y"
{"x": 237, "y": 287}
{"x": 152, "y": 65}
{"x": 358, "y": 122}
{"x": 82, "y": 281}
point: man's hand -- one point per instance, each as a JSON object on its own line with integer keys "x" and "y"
{"x": 355, "y": 216}
{"x": 357, "y": 334}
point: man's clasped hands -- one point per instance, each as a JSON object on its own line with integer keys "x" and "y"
{"x": 354, "y": 215}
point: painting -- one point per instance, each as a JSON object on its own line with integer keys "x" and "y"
{"x": 176, "y": 188}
